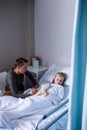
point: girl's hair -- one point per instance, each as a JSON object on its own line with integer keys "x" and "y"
{"x": 61, "y": 74}
{"x": 20, "y": 61}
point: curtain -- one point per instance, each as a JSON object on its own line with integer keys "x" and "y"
{"x": 77, "y": 119}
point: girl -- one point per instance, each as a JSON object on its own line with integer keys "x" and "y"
{"x": 59, "y": 79}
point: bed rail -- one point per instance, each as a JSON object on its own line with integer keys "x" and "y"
{"x": 4, "y": 128}
{"x": 56, "y": 108}
{"x": 56, "y": 119}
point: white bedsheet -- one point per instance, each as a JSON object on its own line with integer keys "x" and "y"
{"x": 24, "y": 114}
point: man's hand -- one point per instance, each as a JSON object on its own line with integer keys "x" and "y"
{"x": 34, "y": 91}
{"x": 36, "y": 86}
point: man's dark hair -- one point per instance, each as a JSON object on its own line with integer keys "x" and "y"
{"x": 20, "y": 61}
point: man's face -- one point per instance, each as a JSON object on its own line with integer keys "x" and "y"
{"x": 23, "y": 68}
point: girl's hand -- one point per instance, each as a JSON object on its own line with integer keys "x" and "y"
{"x": 45, "y": 93}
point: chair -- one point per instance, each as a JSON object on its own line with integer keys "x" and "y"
{"x": 2, "y": 82}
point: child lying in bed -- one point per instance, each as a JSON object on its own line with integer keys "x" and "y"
{"x": 59, "y": 79}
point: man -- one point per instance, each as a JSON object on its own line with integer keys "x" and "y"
{"x": 15, "y": 78}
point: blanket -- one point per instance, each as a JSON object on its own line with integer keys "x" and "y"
{"x": 25, "y": 114}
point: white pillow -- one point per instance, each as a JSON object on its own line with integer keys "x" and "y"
{"x": 66, "y": 70}
{"x": 49, "y": 74}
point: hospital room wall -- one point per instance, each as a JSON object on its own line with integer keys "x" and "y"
{"x": 53, "y": 31}
{"x": 12, "y": 31}
{"x": 16, "y": 31}
{"x": 40, "y": 27}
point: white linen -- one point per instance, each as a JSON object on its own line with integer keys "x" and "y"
{"x": 56, "y": 93}
{"x": 22, "y": 114}
{"x": 50, "y": 73}
{"x": 66, "y": 70}
{"x": 30, "y": 122}
{"x": 13, "y": 109}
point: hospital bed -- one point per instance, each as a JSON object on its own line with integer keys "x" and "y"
{"x": 52, "y": 118}
{"x": 56, "y": 121}
{"x": 57, "y": 118}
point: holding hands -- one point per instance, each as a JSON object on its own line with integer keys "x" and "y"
{"x": 34, "y": 91}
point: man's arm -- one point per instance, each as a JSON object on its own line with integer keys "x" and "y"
{"x": 30, "y": 76}
{"x": 13, "y": 88}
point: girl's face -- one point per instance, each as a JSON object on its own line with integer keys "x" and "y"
{"x": 59, "y": 79}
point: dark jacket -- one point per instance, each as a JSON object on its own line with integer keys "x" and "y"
{"x": 15, "y": 83}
